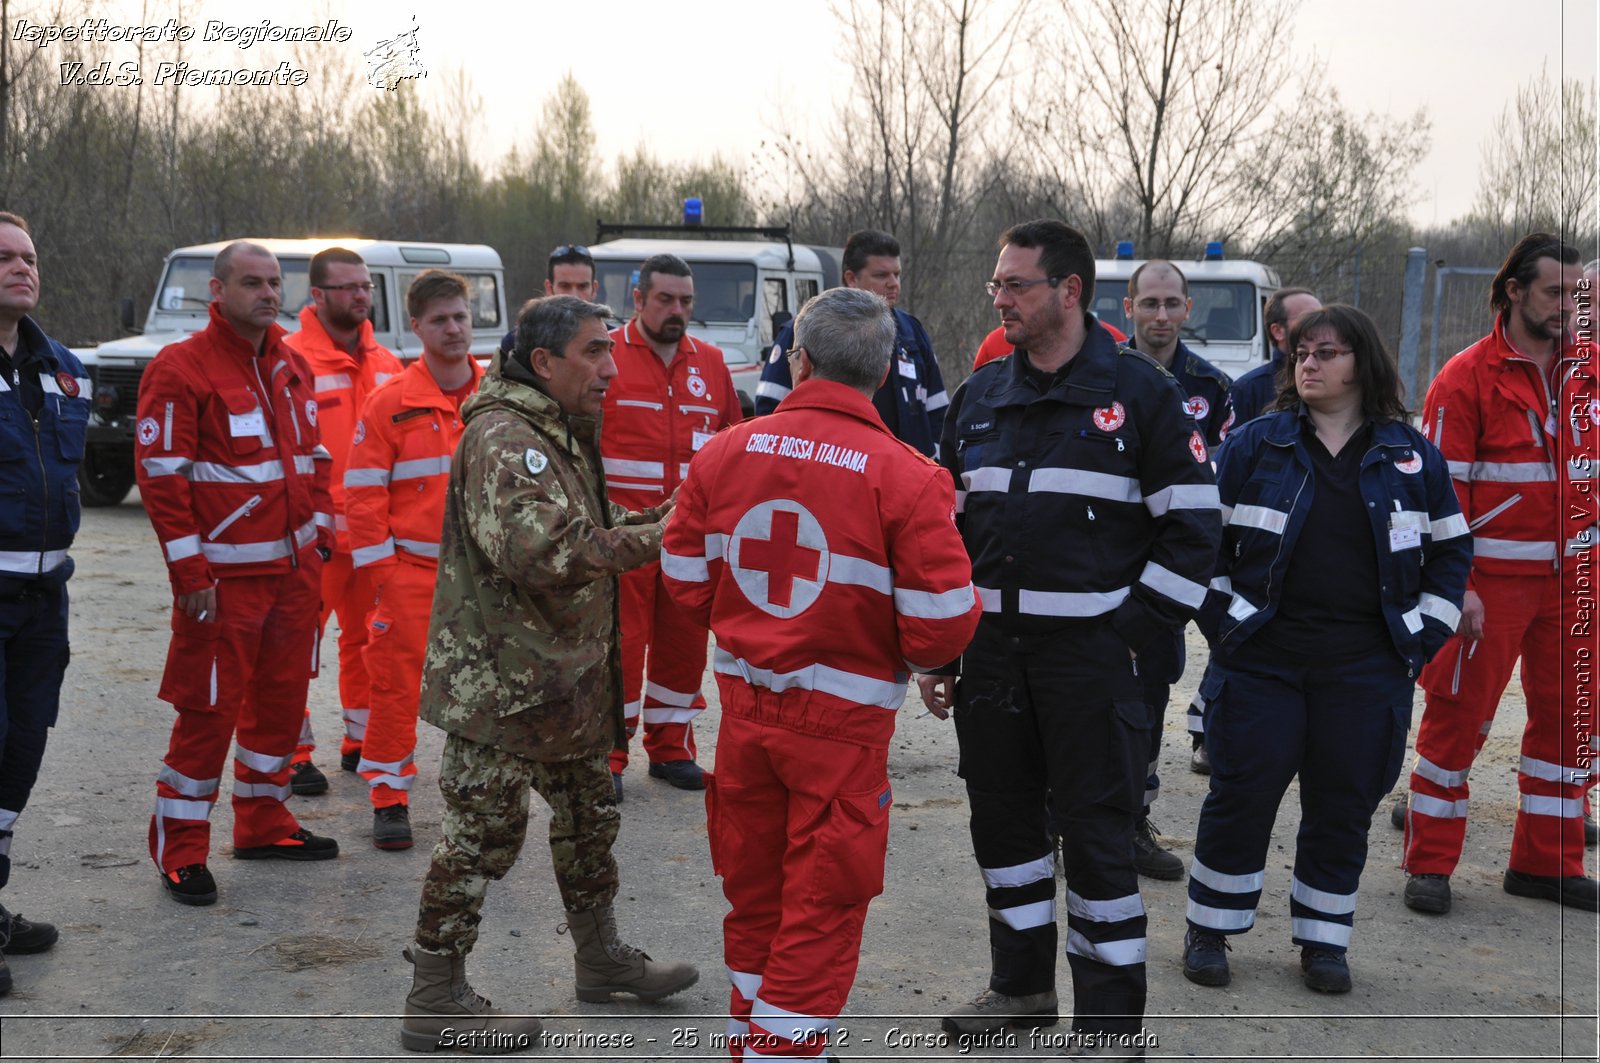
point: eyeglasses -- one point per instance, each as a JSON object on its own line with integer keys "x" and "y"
{"x": 1016, "y": 287}
{"x": 569, "y": 249}
{"x": 1150, "y": 306}
{"x": 356, "y": 286}
{"x": 794, "y": 352}
{"x": 1321, "y": 354}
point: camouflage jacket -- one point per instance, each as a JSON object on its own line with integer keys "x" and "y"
{"x": 522, "y": 646}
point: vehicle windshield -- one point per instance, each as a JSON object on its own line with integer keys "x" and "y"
{"x": 1224, "y": 311}
{"x": 187, "y": 286}
{"x": 724, "y": 292}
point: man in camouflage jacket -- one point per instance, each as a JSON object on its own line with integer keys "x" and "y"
{"x": 523, "y": 673}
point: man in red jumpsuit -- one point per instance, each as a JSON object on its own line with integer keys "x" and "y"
{"x": 396, "y": 482}
{"x": 335, "y": 339}
{"x": 1514, "y": 415}
{"x": 671, "y": 395}
{"x": 823, "y": 553}
{"x": 236, "y": 485}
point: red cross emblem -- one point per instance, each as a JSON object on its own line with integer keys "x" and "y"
{"x": 779, "y": 557}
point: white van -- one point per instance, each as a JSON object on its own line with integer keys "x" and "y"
{"x": 181, "y": 307}
{"x": 743, "y": 291}
{"x": 1225, "y": 325}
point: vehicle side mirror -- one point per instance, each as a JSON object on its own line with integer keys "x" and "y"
{"x": 127, "y": 315}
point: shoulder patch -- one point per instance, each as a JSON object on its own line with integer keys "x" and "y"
{"x": 1197, "y": 447}
{"x": 1411, "y": 465}
{"x": 360, "y": 434}
{"x": 148, "y": 430}
{"x": 536, "y": 461}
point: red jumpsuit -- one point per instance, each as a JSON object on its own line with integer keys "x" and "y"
{"x": 394, "y": 496}
{"x": 342, "y": 384}
{"x": 824, "y": 554}
{"x": 657, "y": 415}
{"x": 1520, "y": 448}
{"x": 236, "y": 485}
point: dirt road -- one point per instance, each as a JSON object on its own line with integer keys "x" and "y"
{"x": 302, "y": 961}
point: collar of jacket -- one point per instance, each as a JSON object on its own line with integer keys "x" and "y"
{"x": 418, "y": 388}
{"x": 1090, "y": 383}
{"x": 222, "y": 335}
{"x": 34, "y": 346}
{"x": 317, "y": 336}
{"x": 1285, "y": 427}
{"x": 817, "y": 394}
{"x": 1185, "y": 359}
{"x": 633, "y": 336}
{"x": 515, "y": 388}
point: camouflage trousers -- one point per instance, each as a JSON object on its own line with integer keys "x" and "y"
{"x": 485, "y": 822}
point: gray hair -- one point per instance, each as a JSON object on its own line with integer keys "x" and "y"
{"x": 849, "y": 334}
{"x": 551, "y": 323}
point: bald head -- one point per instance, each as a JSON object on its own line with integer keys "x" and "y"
{"x": 222, "y": 267}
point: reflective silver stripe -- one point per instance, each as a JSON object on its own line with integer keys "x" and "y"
{"x": 31, "y": 562}
{"x": 859, "y": 572}
{"x": 366, "y": 478}
{"x": 418, "y": 547}
{"x": 768, "y": 389}
{"x": 929, "y": 605}
{"x": 669, "y": 715}
{"x": 738, "y": 1027}
{"x": 789, "y": 1025}
{"x": 864, "y": 690}
{"x": 1460, "y": 470}
{"x": 5, "y": 842}
{"x": 1512, "y": 549}
{"x": 1512, "y": 472}
{"x": 1440, "y": 609}
{"x": 378, "y": 378}
{"x": 1540, "y": 805}
{"x": 684, "y": 569}
{"x": 417, "y": 468}
{"x": 1222, "y": 585}
{"x": 48, "y": 384}
{"x": 684, "y": 408}
{"x": 1166, "y": 582}
{"x": 630, "y": 485}
{"x": 1448, "y": 528}
{"x": 238, "y": 514}
{"x": 987, "y": 478}
{"x": 640, "y": 403}
{"x": 260, "y": 761}
{"x": 260, "y": 473}
{"x": 1412, "y": 618}
{"x": 989, "y": 596}
{"x": 937, "y": 401}
{"x": 366, "y": 555}
{"x": 253, "y": 553}
{"x": 1322, "y": 900}
{"x": 1220, "y": 918}
{"x": 178, "y": 549}
{"x": 1439, "y": 776}
{"x": 1082, "y": 482}
{"x": 683, "y": 471}
{"x": 1026, "y": 916}
{"x": 393, "y": 767}
{"x": 172, "y": 808}
{"x": 1062, "y": 603}
{"x": 643, "y": 470}
{"x": 8, "y": 817}
{"x": 1320, "y": 930}
{"x": 333, "y": 382}
{"x": 154, "y": 467}
{"x": 997, "y": 878}
{"x": 183, "y": 784}
{"x": 961, "y": 501}
{"x": 747, "y": 984}
{"x": 1423, "y": 805}
{"x": 1544, "y": 769}
{"x": 1183, "y": 496}
{"x": 247, "y": 790}
{"x": 630, "y": 710}
{"x": 324, "y": 520}
{"x": 1484, "y": 518}
{"x": 1240, "y": 609}
{"x": 671, "y": 697}
{"x": 1216, "y": 880}
{"x": 1114, "y": 910}
{"x": 393, "y": 782}
{"x": 319, "y": 453}
{"x": 1262, "y": 517}
{"x": 1122, "y": 953}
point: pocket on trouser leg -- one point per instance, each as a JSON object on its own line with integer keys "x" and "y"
{"x": 849, "y": 846}
{"x": 192, "y": 677}
{"x": 1131, "y": 748}
{"x": 714, "y": 824}
{"x": 1397, "y": 747}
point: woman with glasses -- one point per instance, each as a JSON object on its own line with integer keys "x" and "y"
{"x": 1343, "y": 564}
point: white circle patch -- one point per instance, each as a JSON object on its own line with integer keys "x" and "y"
{"x": 148, "y": 430}
{"x": 1197, "y": 407}
{"x": 311, "y": 412}
{"x": 360, "y": 434}
{"x": 535, "y": 461}
{"x": 1411, "y": 466}
{"x": 697, "y": 387}
{"x": 779, "y": 557}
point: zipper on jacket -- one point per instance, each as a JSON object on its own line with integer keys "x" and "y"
{"x": 1455, "y": 677}
{"x": 1438, "y": 429}
{"x": 1495, "y": 512}
{"x": 44, "y": 482}
{"x": 228, "y": 521}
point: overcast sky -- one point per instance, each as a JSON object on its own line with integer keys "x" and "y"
{"x": 700, "y": 76}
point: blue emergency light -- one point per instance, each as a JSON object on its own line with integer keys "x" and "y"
{"x": 1213, "y": 250}
{"x": 1124, "y": 249}
{"x": 692, "y": 211}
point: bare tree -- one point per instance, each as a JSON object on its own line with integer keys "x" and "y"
{"x": 1538, "y": 169}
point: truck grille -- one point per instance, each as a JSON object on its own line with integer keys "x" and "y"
{"x": 125, "y": 379}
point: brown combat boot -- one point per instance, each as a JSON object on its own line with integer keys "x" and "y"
{"x": 605, "y": 965}
{"x": 443, "y": 1011}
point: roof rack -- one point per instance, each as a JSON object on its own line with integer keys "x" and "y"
{"x": 603, "y": 229}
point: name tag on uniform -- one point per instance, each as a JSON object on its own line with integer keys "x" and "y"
{"x": 247, "y": 424}
{"x": 908, "y": 369}
{"x": 699, "y": 439}
{"x": 1405, "y": 532}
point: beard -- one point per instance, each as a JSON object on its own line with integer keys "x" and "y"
{"x": 672, "y": 330}
{"x": 348, "y": 319}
